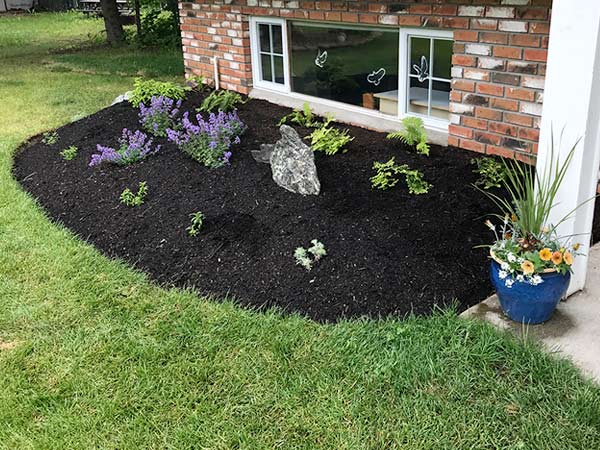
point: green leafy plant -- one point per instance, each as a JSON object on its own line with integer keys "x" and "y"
{"x": 303, "y": 117}
{"x": 492, "y": 172}
{"x": 197, "y": 82}
{"x": 50, "y": 138}
{"x": 130, "y": 199}
{"x": 222, "y": 100}
{"x": 144, "y": 90}
{"x": 69, "y": 153}
{"x": 328, "y": 139}
{"x": 197, "y": 222}
{"x": 306, "y": 258}
{"x": 413, "y": 134}
{"x": 387, "y": 177}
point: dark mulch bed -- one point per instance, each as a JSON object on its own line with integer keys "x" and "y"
{"x": 390, "y": 253}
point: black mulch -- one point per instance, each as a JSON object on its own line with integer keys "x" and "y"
{"x": 390, "y": 253}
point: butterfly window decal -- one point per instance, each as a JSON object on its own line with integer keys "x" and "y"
{"x": 321, "y": 58}
{"x": 422, "y": 71}
{"x": 376, "y": 76}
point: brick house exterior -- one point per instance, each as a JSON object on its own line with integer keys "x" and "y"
{"x": 498, "y": 65}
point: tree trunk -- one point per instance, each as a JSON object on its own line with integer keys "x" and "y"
{"x": 112, "y": 22}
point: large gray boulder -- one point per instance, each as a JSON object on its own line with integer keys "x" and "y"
{"x": 293, "y": 164}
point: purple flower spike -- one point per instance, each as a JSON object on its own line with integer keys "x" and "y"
{"x": 133, "y": 147}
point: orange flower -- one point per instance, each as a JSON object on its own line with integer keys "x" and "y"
{"x": 557, "y": 258}
{"x": 546, "y": 254}
{"x": 527, "y": 267}
{"x": 568, "y": 258}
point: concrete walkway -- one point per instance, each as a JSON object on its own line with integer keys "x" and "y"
{"x": 573, "y": 331}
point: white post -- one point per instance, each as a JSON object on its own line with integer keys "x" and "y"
{"x": 572, "y": 107}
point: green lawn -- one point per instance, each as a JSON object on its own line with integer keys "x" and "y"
{"x": 93, "y": 355}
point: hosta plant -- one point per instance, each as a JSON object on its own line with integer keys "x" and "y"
{"x": 209, "y": 141}
{"x": 133, "y": 147}
{"x": 159, "y": 115}
{"x": 144, "y": 90}
{"x": 222, "y": 100}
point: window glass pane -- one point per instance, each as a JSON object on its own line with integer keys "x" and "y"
{"x": 278, "y": 60}
{"x": 418, "y": 96}
{"x": 277, "y": 39}
{"x": 265, "y": 64}
{"x": 264, "y": 38}
{"x": 419, "y": 57}
{"x": 442, "y": 58}
{"x": 353, "y": 65}
{"x": 440, "y": 100}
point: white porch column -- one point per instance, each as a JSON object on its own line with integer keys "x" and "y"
{"x": 572, "y": 105}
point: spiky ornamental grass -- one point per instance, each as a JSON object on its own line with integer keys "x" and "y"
{"x": 133, "y": 147}
{"x": 159, "y": 115}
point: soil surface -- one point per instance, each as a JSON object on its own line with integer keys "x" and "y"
{"x": 389, "y": 252}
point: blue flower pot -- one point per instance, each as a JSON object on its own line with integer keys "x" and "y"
{"x": 525, "y": 303}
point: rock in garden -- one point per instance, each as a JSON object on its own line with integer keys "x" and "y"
{"x": 293, "y": 164}
{"x": 264, "y": 154}
{"x": 122, "y": 98}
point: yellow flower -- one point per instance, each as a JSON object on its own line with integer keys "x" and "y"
{"x": 546, "y": 254}
{"x": 576, "y": 246}
{"x": 513, "y": 218}
{"x": 568, "y": 258}
{"x": 527, "y": 267}
{"x": 557, "y": 258}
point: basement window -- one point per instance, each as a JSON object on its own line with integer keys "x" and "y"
{"x": 390, "y": 71}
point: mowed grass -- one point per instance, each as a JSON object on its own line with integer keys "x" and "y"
{"x": 93, "y": 355}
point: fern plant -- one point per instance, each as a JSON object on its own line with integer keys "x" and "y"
{"x": 413, "y": 134}
{"x": 328, "y": 139}
{"x": 387, "y": 177}
{"x": 303, "y": 117}
{"x": 221, "y": 101}
{"x": 492, "y": 173}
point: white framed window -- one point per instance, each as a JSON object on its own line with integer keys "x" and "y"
{"x": 425, "y": 66}
{"x": 387, "y": 71}
{"x": 270, "y": 67}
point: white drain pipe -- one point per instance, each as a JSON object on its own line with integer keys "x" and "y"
{"x": 216, "y": 65}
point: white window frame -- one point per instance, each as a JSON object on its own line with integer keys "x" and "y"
{"x": 256, "y": 60}
{"x": 404, "y": 71}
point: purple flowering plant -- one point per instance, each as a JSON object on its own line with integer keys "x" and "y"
{"x": 133, "y": 147}
{"x": 209, "y": 141}
{"x": 159, "y": 115}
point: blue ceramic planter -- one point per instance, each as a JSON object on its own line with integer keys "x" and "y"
{"x": 525, "y": 303}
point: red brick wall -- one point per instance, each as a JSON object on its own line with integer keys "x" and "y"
{"x": 499, "y": 61}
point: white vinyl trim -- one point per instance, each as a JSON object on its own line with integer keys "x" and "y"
{"x": 256, "y": 54}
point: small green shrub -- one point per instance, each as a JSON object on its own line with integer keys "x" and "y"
{"x": 492, "y": 172}
{"x": 221, "y": 101}
{"x": 144, "y": 90}
{"x": 328, "y": 139}
{"x": 386, "y": 177}
{"x": 303, "y": 256}
{"x": 130, "y": 199}
{"x": 413, "y": 134}
{"x": 197, "y": 222}
{"x": 50, "y": 138}
{"x": 160, "y": 27}
{"x": 303, "y": 117}
{"x": 69, "y": 153}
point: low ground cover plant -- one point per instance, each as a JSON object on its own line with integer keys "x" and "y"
{"x": 197, "y": 222}
{"x": 50, "y": 138}
{"x": 133, "y": 147}
{"x": 144, "y": 90}
{"x": 159, "y": 115}
{"x": 492, "y": 173}
{"x": 129, "y": 198}
{"x": 221, "y": 100}
{"x": 303, "y": 117}
{"x": 307, "y": 257}
{"x": 413, "y": 134}
{"x": 209, "y": 141}
{"x": 328, "y": 139}
{"x": 387, "y": 177}
{"x": 69, "y": 153}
